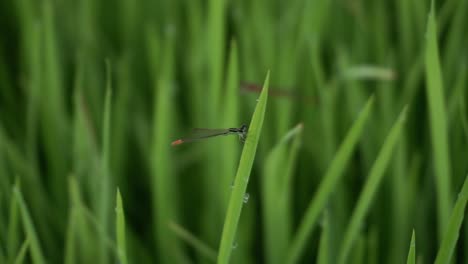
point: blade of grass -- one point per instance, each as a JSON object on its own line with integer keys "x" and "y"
{"x": 369, "y": 72}
{"x": 357, "y": 256}
{"x": 120, "y": 229}
{"x": 373, "y": 245}
{"x": 453, "y": 43}
{"x": 458, "y": 93}
{"x": 216, "y": 28}
{"x": 406, "y": 30}
{"x": 438, "y": 124}
{"x": 452, "y": 233}
{"x": 242, "y": 177}
{"x": 100, "y": 232}
{"x": 276, "y": 195}
{"x": 13, "y": 230}
{"x": 412, "y": 250}
{"x": 373, "y": 181}
{"x": 70, "y": 239}
{"x": 355, "y": 97}
{"x": 230, "y": 153}
{"x": 34, "y": 91}
{"x": 164, "y": 191}
{"x": 120, "y": 127}
{"x": 105, "y": 180}
{"x": 22, "y": 252}
{"x": 464, "y": 118}
{"x": 31, "y": 183}
{"x": 326, "y": 187}
{"x": 212, "y": 214}
{"x": 230, "y": 117}
{"x": 36, "y": 251}
{"x": 323, "y": 256}
{"x": 81, "y": 240}
{"x": 193, "y": 241}
{"x": 54, "y": 121}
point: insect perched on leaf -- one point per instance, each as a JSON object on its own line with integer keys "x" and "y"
{"x": 203, "y": 133}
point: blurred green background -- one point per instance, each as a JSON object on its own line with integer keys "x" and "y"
{"x": 92, "y": 93}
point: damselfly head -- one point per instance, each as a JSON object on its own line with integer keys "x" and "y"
{"x": 243, "y": 133}
{"x": 243, "y": 128}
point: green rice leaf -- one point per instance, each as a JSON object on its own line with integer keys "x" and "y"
{"x": 412, "y": 250}
{"x": 22, "y": 252}
{"x": 103, "y": 212}
{"x": 35, "y": 247}
{"x": 453, "y": 229}
{"x": 193, "y": 241}
{"x": 120, "y": 229}
{"x": 242, "y": 177}
{"x": 328, "y": 184}
{"x": 438, "y": 124}
{"x": 276, "y": 194}
{"x": 13, "y": 227}
{"x": 370, "y": 188}
{"x": 323, "y": 256}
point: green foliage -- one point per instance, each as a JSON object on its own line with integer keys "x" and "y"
{"x": 438, "y": 123}
{"x": 238, "y": 193}
{"x": 36, "y": 251}
{"x": 277, "y": 182}
{"x": 371, "y": 186}
{"x": 412, "y": 250}
{"x": 329, "y": 183}
{"x": 92, "y": 93}
{"x": 453, "y": 229}
{"x": 120, "y": 229}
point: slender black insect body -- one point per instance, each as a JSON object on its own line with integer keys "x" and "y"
{"x": 242, "y": 132}
{"x": 202, "y": 133}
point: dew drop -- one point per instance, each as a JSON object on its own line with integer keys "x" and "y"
{"x": 235, "y": 245}
{"x": 246, "y": 197}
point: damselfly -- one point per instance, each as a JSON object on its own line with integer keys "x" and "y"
{"x": 202, "y": 133}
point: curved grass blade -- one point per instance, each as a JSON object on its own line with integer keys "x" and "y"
{"x": 120, "y": 229}
{"x": 330, "y": 181}
{"x": 231, "y": 115}
{"x": 80, "y": 242}
{"x": 13, "y": 232}
{"x": 163, "y": 180}
{"x": 276, "y": 195}
{"x": 463, "y": 117}
{"x": 70, "y": 239}
{"x": 438, "y": 123}
{"x": 100, "y": 232}
{"x": 242, "y": 177}
{"x": 86, "y": 229}
{"x": 323, "y": 255}
{"x": 412, "y": 250}
{"x": 451, "y": 235}
{"x": 104, "y": 194}
{"x": 375, "y": 177}
{"x": 193, "y": 241}
{"x": 36, "y": 251}
{"x": 22, "y": 252}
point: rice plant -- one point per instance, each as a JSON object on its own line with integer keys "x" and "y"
{"x": 354, "y": 151}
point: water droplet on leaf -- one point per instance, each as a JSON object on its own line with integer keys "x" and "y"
{"x": 246, "y": 197}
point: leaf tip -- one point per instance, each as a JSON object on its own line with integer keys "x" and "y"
{"x": 267, "y": 80}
